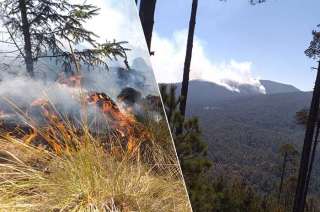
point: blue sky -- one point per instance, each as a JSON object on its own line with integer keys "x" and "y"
{"x": 271, "y": 36}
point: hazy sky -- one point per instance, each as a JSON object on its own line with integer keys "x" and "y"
{"x": 238, "y": 41}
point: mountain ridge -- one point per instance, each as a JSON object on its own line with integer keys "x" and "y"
{"x": 244, "y": 132}
{"x": 273, "y": 87}
{"x": 207, "y": 93}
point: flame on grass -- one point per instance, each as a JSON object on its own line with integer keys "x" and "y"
{"x": 85, "y": 176}
{"x": 57, "y": 127}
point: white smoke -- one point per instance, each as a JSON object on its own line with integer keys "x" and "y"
{"x": 117, "y": 20}
{"x": 169, "y": 59}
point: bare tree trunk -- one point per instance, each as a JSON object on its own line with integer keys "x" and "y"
{"x": 146, "y": 13}
{"x": 172, "y": 102}
{"x": 26, "y": 38}
{"x": 187, "y": 63}
{"x": 282, "y": 175}
{"x": 300, "y": 197}
{"x": 313, "y": 154}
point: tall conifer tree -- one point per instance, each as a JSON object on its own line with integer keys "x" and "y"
{"x": 146, "y": 13}
{"x": 302, "y": 186}
{"x": 187, "y": 63}
{"x": 53, "y": 28}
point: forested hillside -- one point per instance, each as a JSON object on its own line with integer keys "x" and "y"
{"x": 245, "y": 132}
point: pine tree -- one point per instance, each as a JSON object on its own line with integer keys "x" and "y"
{"x": 146, "y": 13}
{"x": 191, "y": 150}
{"x": 289, "y": 153}
{"x": 302, "y": 186}
{"x": 302, "y": 119}
{"x": 52, "y": 28}
{"x": 187, "y": 62}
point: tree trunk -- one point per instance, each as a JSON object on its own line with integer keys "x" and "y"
{"x": 172, "y": 103}
{"x": 313, "y": 154}
{"x": 300, "y": 198}
{"x": 146, "y": 13}
{"x": 282, "y": 175}
{"x": 26, "y": 38}
{"x": 187, "y": 63}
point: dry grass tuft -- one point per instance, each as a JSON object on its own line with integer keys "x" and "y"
{"x": 87, "y": 177}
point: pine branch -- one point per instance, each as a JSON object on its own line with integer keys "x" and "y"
{"x": 313, "y": 51}
{"x": 14, "y": 41}
{"x": 51, "y": 24}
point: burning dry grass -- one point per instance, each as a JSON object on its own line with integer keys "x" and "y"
{"x": 86, "y": 179}
{"x": 79, "y": 173}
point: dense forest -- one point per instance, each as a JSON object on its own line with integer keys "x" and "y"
{"x": 244, "y": 152}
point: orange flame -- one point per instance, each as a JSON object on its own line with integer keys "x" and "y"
{"x": 122, "y": 121}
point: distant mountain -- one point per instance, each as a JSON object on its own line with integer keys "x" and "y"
{"x": 244, "y": 130}
{"x": 276, "y": 87}
{"x": 206, "y": 93}
{"x": 203, "y": 91}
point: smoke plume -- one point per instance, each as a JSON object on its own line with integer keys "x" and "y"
{"x": 169, "y": 59}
